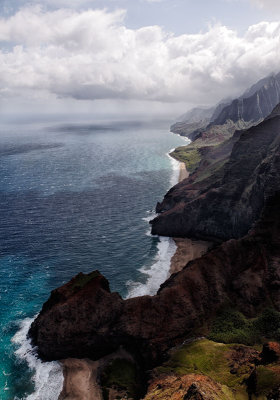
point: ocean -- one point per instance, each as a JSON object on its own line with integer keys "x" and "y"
{"x": 75, "y": 197}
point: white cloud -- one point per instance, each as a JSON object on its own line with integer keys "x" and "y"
{"x": 92, "y": 55}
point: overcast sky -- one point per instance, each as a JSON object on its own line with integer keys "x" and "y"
{"x": 133, "y": 56}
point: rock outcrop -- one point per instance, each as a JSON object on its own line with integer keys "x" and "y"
{"x": 84, "y": 319}
{"x": 203, "y": 370}
{"x": 186, "y": 387}
{"x": 225, "y": 204}
{"x": 232, "y": 198}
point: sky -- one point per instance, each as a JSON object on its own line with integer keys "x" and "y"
{"x": 132, "y": 57}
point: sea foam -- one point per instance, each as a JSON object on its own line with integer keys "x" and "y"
{"x": 159, "y": 271}
{"x": 47, "y": 377}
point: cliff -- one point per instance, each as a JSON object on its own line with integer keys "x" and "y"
{"x": 241, "y": 113}
{"x": 231, "y": 295}
{"x": 84, "y": 319}
{"x": 255, "y": 105}
{"x": 225, "y": 203}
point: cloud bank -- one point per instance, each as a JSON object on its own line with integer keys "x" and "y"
{"x": 92, "y": 55}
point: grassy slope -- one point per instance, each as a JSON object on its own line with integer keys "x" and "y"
{"x": 205, "y": 357}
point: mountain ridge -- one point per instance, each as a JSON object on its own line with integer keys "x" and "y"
{"x": 250, "y": 108}
{"x": 233, "y": 195}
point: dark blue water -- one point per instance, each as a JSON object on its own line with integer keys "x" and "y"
{"x": 73, "y": 198}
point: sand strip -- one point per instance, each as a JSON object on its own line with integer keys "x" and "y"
{"x": 187, "y": 250}
{"x": 80, "y": 380}
{"x": 184, "y": 173}
{"x": 81, "y": 377}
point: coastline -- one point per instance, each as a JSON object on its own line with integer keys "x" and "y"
{"x": 81, "y": 376}
{"x": 187, "y": 249}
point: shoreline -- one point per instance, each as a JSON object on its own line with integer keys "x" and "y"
{"x": 81, "y": 376}
{"x": 187, "y": 249}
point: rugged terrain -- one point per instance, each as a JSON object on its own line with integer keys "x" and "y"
{"x": 230, "y": 115}
{"x": 212, "y": 331}
{"x": 225, "y": 204}
{"x": 83, "y": 319}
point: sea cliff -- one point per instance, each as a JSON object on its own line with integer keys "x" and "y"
{"x": 211, "y": 331}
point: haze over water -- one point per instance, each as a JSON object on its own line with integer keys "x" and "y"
{"x": 76, "y": 198}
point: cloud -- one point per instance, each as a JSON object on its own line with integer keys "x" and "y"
{"x": 269, "y": 4}
{"x": 92, "y": 55}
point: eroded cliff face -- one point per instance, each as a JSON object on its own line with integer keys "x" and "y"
{"x": 84, "y": 319}
{"x": 236, "y": 187}
{"x": 224, "y": 204}
{"x": 241, "y": 113}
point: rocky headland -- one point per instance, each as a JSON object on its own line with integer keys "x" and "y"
{"x": 230, "y": 115}
{"x": 212, "y": 330}
{"x": 227, "y": 191}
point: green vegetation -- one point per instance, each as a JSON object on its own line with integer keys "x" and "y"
{"x": 214, "y": 168}
{"x": 82, "y": 279}
{"x": 211, "y": 359}
{"x": 188, "y": 155}
{"x": 203, "y": 357}
{"x": 121, "y": 375}
{"x": 231, "y": 326}
{"x": 267, "y": 378}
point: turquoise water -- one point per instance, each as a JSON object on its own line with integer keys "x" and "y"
{"x": 75, "y": 198}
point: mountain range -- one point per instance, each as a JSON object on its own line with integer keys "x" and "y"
{"x": 249, "y": 109}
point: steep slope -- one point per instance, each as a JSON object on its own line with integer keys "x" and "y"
{"x": 225, "y": 204}
{"x": 247, "y": 110}
{"x": 196, "y": 120}
{"x": 84, "y": 319}
{"x": 193, "y": 120}
{"x": 254, "y": 107}
{"x": 231, "y": 294}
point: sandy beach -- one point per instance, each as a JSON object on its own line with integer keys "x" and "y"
{"x": 81, "y": 377}
{"x": 187, "y": 250}
{"x": 184, "y": 173}
{"x": 80, "y": 380}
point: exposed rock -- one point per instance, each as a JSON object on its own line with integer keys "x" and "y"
{"x": 194, "y": 393}
{"x": 254, "y": 105}
{"x": 187, "y": 387}
{"x": 241, "y": 357}
{"x": 76, "y": 319}
{"x": 241, "y": 113}
{"x": 83, "y": 319}
{"x": 225, "y": 204}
